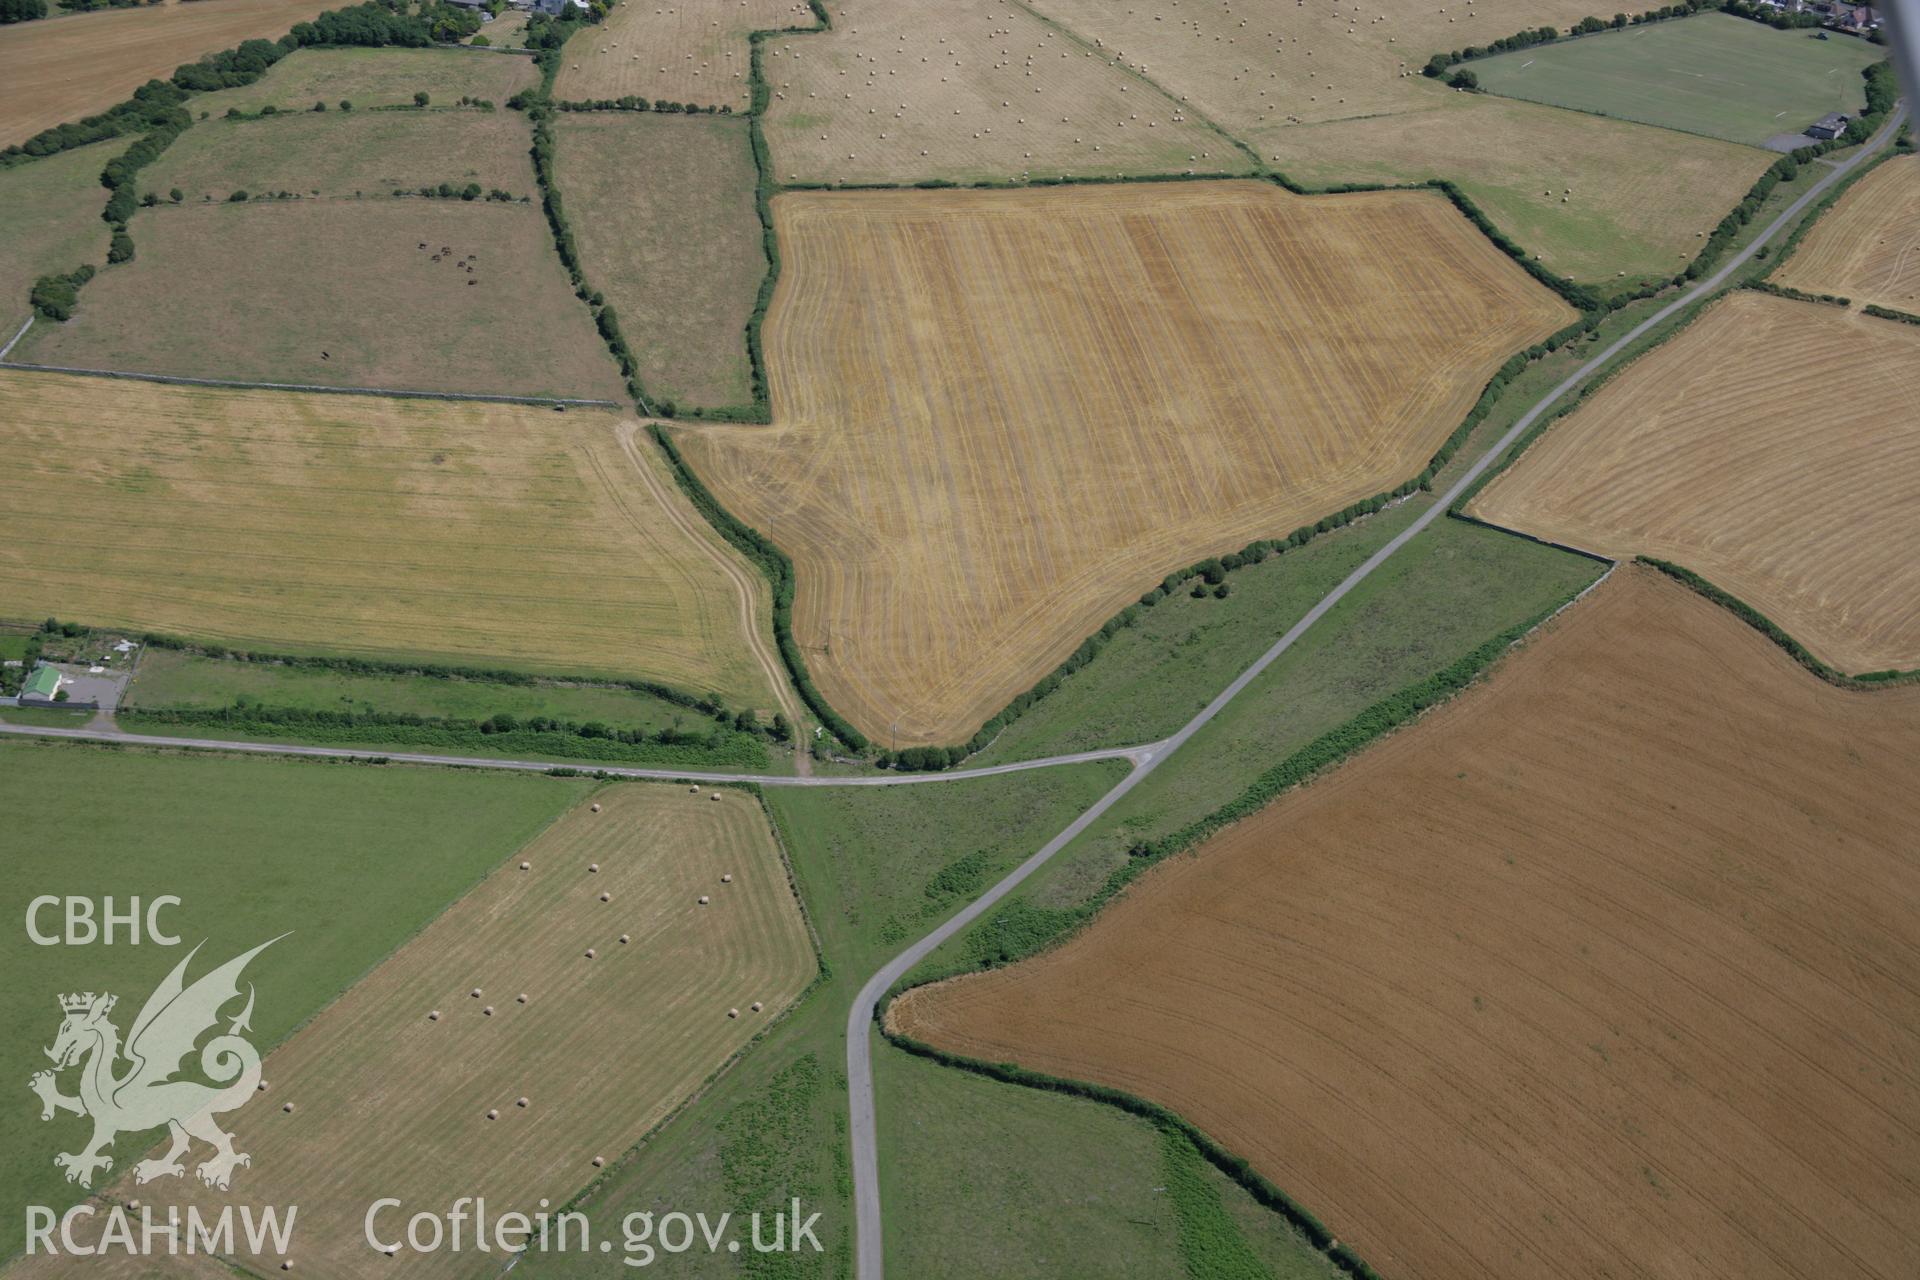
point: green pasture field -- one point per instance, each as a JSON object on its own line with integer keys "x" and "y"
{"x": 1711, "y": 74}
{"x": 376, "y": 78}
{"x": 50, "y": 209}
{"x": 170, "y": 678}
{"x": 662, "y": 206}
{"x": 339, "y": 293}
{"x": 52, "y": 717}
{"x": 346, "y": 154}
{"x": 353, "y": 859}
{"x": 995, "y": 1179}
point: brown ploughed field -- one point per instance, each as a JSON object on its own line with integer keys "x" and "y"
{"x": 1771, "y": 448}
{"x": 1104, "y": 384}
{"x": 1611, "y": 967}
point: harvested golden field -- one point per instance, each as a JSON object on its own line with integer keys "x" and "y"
{"x": 1609, "y": 968}
{"x": 377, "y": 78}
{"x": 1329, "y": 94}
{"x": 969, "y": 89}
{"x": 1868, "y": 246}
{"x": 51, "y": 211}
{"x": 601, "y": 1015}
{"x": 1110, "y": 383}
{"x": 679, "y": 255}
{"x": 479, "y": 534}
{"x": 672, "y": 50}
{"x": 62, "y": 68}
{"x": 1734, "y": 451}
{"x": 340, "y": 293}
{"x": 347, "y": 154}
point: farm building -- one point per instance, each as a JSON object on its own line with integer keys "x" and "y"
{"x": 41, "y": 685}
{"x": 1831, "y": 125}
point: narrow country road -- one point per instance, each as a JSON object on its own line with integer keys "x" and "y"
{"x": 869, "y": 1260}
{"x": 1135, "y": 755}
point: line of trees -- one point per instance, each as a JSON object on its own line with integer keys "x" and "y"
{"x": 736, "y": 743}
{"x": 634, "y": 103}
{"x": 1773, "y": 631}
{"x": 707, "y": 703}
{"x": 373, "y": 24}
{"x": 1533, "y": 37}
{"x": 55, "y": 297}
{"x": 1798, "y": 295}
{"x": 1888, "y": 313}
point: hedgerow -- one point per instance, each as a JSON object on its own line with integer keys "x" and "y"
{"x": 1773, "y": 631}
{"x": 1888, "y": 313}
{"x": 706, "y": 703}
{"x": 1233, "y": 1166}
{"x": 1798, "y": 295}
{"x": 779, "y": 570}
{"x": 502, "y": 732}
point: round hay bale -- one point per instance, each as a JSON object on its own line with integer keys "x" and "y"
{"x": 492, "y": 1113}
{"x": 475, "y": 993}
{"x": 623, "y": 937}
{"x": 756, "y": 1006}
{"x": 598, "y": 1162}
{"x": 262, "y": 1086}
{"x": 286, "y": 1264}
{"x": 288, "y": 1108}
{"x": 593, "y": 868}
{"x": 521, "y": 998}
{"x": 606, "y": 897}
{"x": 733, "y": 1013}
{"x": 704, "y": 899}
{"x": 519, "y": 1102}
{"x": 695, "y": 788}
{"x": 488, "y": 1011}
{"x": 727, "y": 878}
{"x": 594, "y": 808}
{"x": 433, "y": 1015}
{"x": 590, "y": 953}
{"x": 526, "y": 866}
{"x": 716, "y": 797}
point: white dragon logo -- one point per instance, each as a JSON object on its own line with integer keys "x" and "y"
{"x": 146, "y": 1096}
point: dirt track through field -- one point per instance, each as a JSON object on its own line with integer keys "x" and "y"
{"x": 1868, "y": 247}
{"x": 1111, "y": 384}
{"x": 1609, "y": 968}
{"x": 1771, "y": 448}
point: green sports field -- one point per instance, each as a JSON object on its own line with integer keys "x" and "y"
{"x": 1713, "y": 74}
